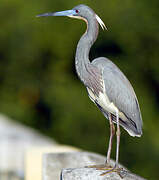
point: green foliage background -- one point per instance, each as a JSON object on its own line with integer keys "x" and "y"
{"x": 39, "y": 86}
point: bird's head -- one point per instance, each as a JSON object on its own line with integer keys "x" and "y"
{"x": 80, "y": 12}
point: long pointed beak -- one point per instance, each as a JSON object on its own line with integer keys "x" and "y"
{"x": 60, "y": 13}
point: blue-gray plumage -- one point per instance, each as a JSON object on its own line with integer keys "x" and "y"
{"x": 107, "y": 86}
{"x": 121, "y": 93}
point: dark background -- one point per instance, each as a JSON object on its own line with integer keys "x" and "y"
{"x": 39, "y": 86}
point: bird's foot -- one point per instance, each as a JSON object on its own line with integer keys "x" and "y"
{"x": 108, "y": 169}
{"x": 121, "y": 171}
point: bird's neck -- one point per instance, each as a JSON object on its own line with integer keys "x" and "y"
{"x": 82, "y": 62}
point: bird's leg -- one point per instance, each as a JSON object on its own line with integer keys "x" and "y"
{"x": 116, "y": 166}
{"x": 112, "y": 129}
{"x": 118, "y": 139}
{"x": 112, "y": 132}
{"x": 107, "y": 166}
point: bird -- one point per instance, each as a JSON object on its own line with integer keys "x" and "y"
{"x": 106, "y": 84}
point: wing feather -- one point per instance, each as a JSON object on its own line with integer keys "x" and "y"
{"x": 120, "y": 92}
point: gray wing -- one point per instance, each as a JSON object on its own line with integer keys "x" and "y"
{"x": 121, "y": 93}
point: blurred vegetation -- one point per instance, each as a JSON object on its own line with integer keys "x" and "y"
{"x": 39, "y": 86}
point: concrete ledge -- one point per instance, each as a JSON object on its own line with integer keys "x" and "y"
{"x": 53, "y": 163}
{"x": 93, "y": 174}
{"x": 70, "y": 166}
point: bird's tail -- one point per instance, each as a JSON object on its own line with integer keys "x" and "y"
{"x": 128, "y": 125}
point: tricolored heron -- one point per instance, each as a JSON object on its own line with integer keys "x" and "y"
{"x": 107, "y": 86}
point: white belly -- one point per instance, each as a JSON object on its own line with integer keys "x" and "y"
{"x": 103, "y": 101}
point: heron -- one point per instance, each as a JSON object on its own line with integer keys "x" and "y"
{"x": 107, "y": 86}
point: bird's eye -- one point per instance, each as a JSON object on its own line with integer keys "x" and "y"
{"x": 77, "y": 11}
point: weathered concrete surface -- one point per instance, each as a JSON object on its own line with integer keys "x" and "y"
{"x": 93, "y": 174}
{"x": 54, "y": 163}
